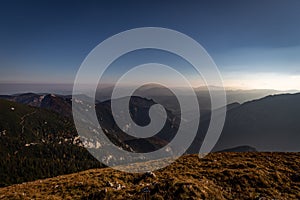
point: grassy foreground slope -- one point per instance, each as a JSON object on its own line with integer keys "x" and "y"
{"x": 216, "y": 176}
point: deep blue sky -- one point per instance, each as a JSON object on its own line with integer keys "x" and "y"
{"x": 256, "y": 44}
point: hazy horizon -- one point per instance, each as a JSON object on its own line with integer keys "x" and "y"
{"x": 66, "y": 89}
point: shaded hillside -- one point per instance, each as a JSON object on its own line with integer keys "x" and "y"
{"x": 139, "y": 109}
{"x": 268, "y": 124}
{"x": 217, "y": 176}
{"x": 37, "y": 143}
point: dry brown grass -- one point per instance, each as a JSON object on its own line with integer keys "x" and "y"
{"x": 216, "y": 176}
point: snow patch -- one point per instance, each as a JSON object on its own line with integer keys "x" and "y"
{"x": 41, "y": 98}
{"x": 30, "y": 144}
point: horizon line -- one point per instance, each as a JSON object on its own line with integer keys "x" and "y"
{"x": 106, "y": 85}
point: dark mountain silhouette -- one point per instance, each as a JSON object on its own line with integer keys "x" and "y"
{"x": 240, "y": 149}
{"x": 31, "y": 99}
{"x": 268, "y": 124}
{"x": 58, "y": 103}
{"x": 139, "y": 109}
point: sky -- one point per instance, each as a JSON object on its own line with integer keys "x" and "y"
{"x": 255, "y": 44}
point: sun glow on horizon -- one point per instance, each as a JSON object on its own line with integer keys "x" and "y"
{"x": 262, "y": 81}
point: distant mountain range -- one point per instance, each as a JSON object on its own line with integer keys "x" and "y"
{"x": 158, "y": 92}
{"x": 268, "y": 124}
{"x": 37, "y": 131}
{"x": 57, "y": 103}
